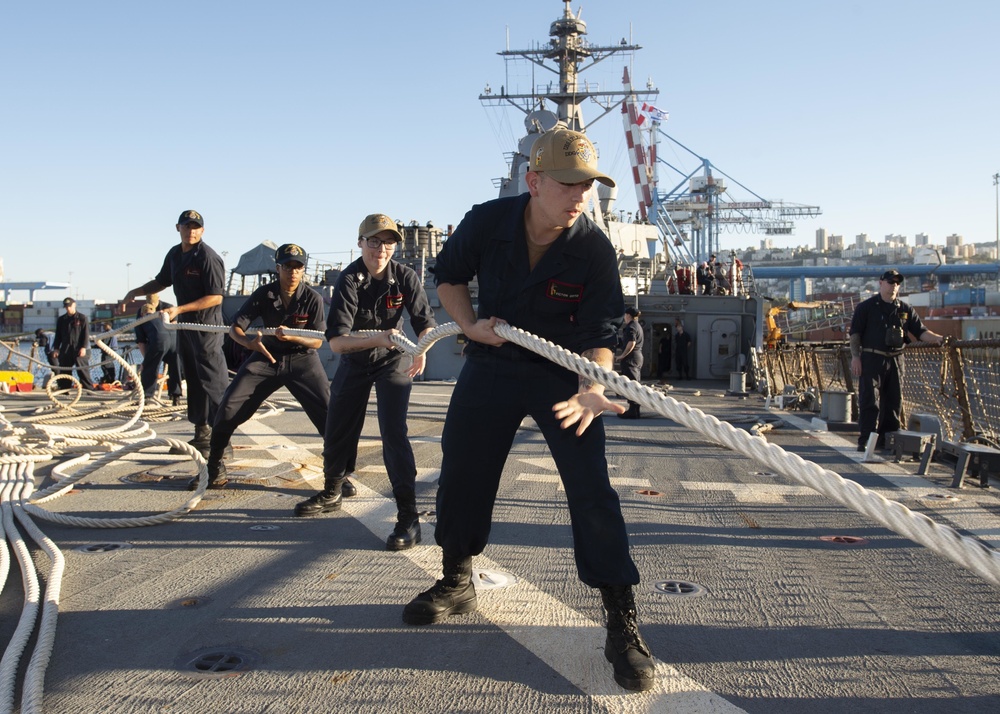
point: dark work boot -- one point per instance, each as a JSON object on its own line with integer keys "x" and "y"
{"x": 216, "y": 474}
{"x": 632, "y": 412}
{"x": 348, "y": 489}
{"x": 453, "y": 594}
{"x": 625, "y": 649}
{"x": 327, "y": 500}
{"x": 202, "y": 439}
{"x": 406, "y": 534}
{"x": 322, "y": 502}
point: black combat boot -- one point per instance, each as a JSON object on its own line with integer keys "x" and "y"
{"x": 625, "y": 649}
{"x": 327, "y": 500}
{"x": 216, "y": 473}
{"x": 202, "y": 439}
{"x": 453, "y": 594}
{"x": 632, "y": 412}
{"x": 406, "y": 534}
{"x": 348, "y": 489}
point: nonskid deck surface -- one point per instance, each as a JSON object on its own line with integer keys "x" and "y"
{"x": 751, "y": 598}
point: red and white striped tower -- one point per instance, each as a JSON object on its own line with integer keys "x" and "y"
{"x": 636, "y": 149}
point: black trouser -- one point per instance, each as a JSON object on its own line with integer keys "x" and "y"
{"x": 151, "y": 370}
{"x": 349, "y": 392}
{"x": 110, "y": 369}
{"x": 683, "y": 366}
{"x": 663, "y": 364}
{"x": 205, "y": 373}
{"x": 257, "y": 379}
{"x": 70, "y": 360}
{"x": 882, "y": 373}
{"x": 631, "y": 367}
{"x": 492, "y": 397}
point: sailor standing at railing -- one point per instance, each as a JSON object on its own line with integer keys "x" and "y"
{"x": 881, "y": 326}
{"x": 544, "y": 267}
{"x": 198, "y": 277}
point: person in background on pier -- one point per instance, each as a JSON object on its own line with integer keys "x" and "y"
{"x": 664, "y": 355}
{"x": 109, "y": 367}
{"x": 42, "y": 340}
{"x": 546, "y": 268}
{"x": 275, "y": 361}
{"x": 705, "y": 276}
{"x": 198, "y": 277}
{"x": 158, "y": 345}
{"x": 631, "y": 355}
{"x": 881, "y": 326}
{"x": 682, "y": 351}
{"x": 722, "y": 284}
{"x": 71, "y": 347}
{"x": 371, "y": 295}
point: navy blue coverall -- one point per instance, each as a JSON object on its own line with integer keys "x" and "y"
{"x": 73, "y": 335}
{"x": 160, "y": 346}
{"x": 881, "y": 365}
{"x": 362, "y": 303}
{"x": 573, "y": 298}
{"x": 297, "y": 367}
{"x": 631, "y": 365}
{"x": 195, "y": 274}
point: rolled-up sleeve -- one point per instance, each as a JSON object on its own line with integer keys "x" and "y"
{"x": 417, "y": 305}
{"x": 602, "y": 306}
{"x": 458, "y": 261}
{"x": 343, "y": 307}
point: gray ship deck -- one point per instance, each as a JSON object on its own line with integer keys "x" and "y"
{"x": 240, "y": 607}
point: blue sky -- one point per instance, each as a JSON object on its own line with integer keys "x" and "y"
{"x": 291, "y": 121}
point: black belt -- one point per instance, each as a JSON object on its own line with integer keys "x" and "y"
{"x": 880, "y": 352}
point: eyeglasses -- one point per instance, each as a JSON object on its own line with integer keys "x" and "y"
{"x": 376, "y": 244}
{"x": 292, "y": 268}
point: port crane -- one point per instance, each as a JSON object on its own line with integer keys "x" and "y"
{"x": 691, "y": 213}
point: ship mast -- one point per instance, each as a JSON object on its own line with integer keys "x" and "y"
{"x": 567, "y": 55}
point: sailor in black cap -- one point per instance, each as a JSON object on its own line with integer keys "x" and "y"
{"x": 198, "y": 277}
{"x": 71, "y": 347}
{"x": 881, "y": 326}
{"x": 371, "y": 295}
{"x": 631, "y": 355}
{"x": 279, "y": 360}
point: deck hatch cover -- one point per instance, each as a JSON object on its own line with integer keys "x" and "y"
{"x": 218, "y": 662}
{"x": 678, "y": 588}
{"x": 103, "y": 547}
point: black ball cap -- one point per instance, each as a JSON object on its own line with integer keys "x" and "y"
{"x": 191, "y": 217}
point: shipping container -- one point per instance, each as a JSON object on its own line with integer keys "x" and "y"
{"x": 958, "y": 296}
{"x": 981, "y": 328}
{"x": 954, "y": 311}
{"x": 31, "y": 324}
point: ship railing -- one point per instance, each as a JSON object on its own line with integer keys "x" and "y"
{"x": 957, "y": 382}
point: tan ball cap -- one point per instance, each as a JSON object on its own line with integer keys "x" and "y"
{"x": 376, "y": 223}
{"x": 567, "y": 156}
